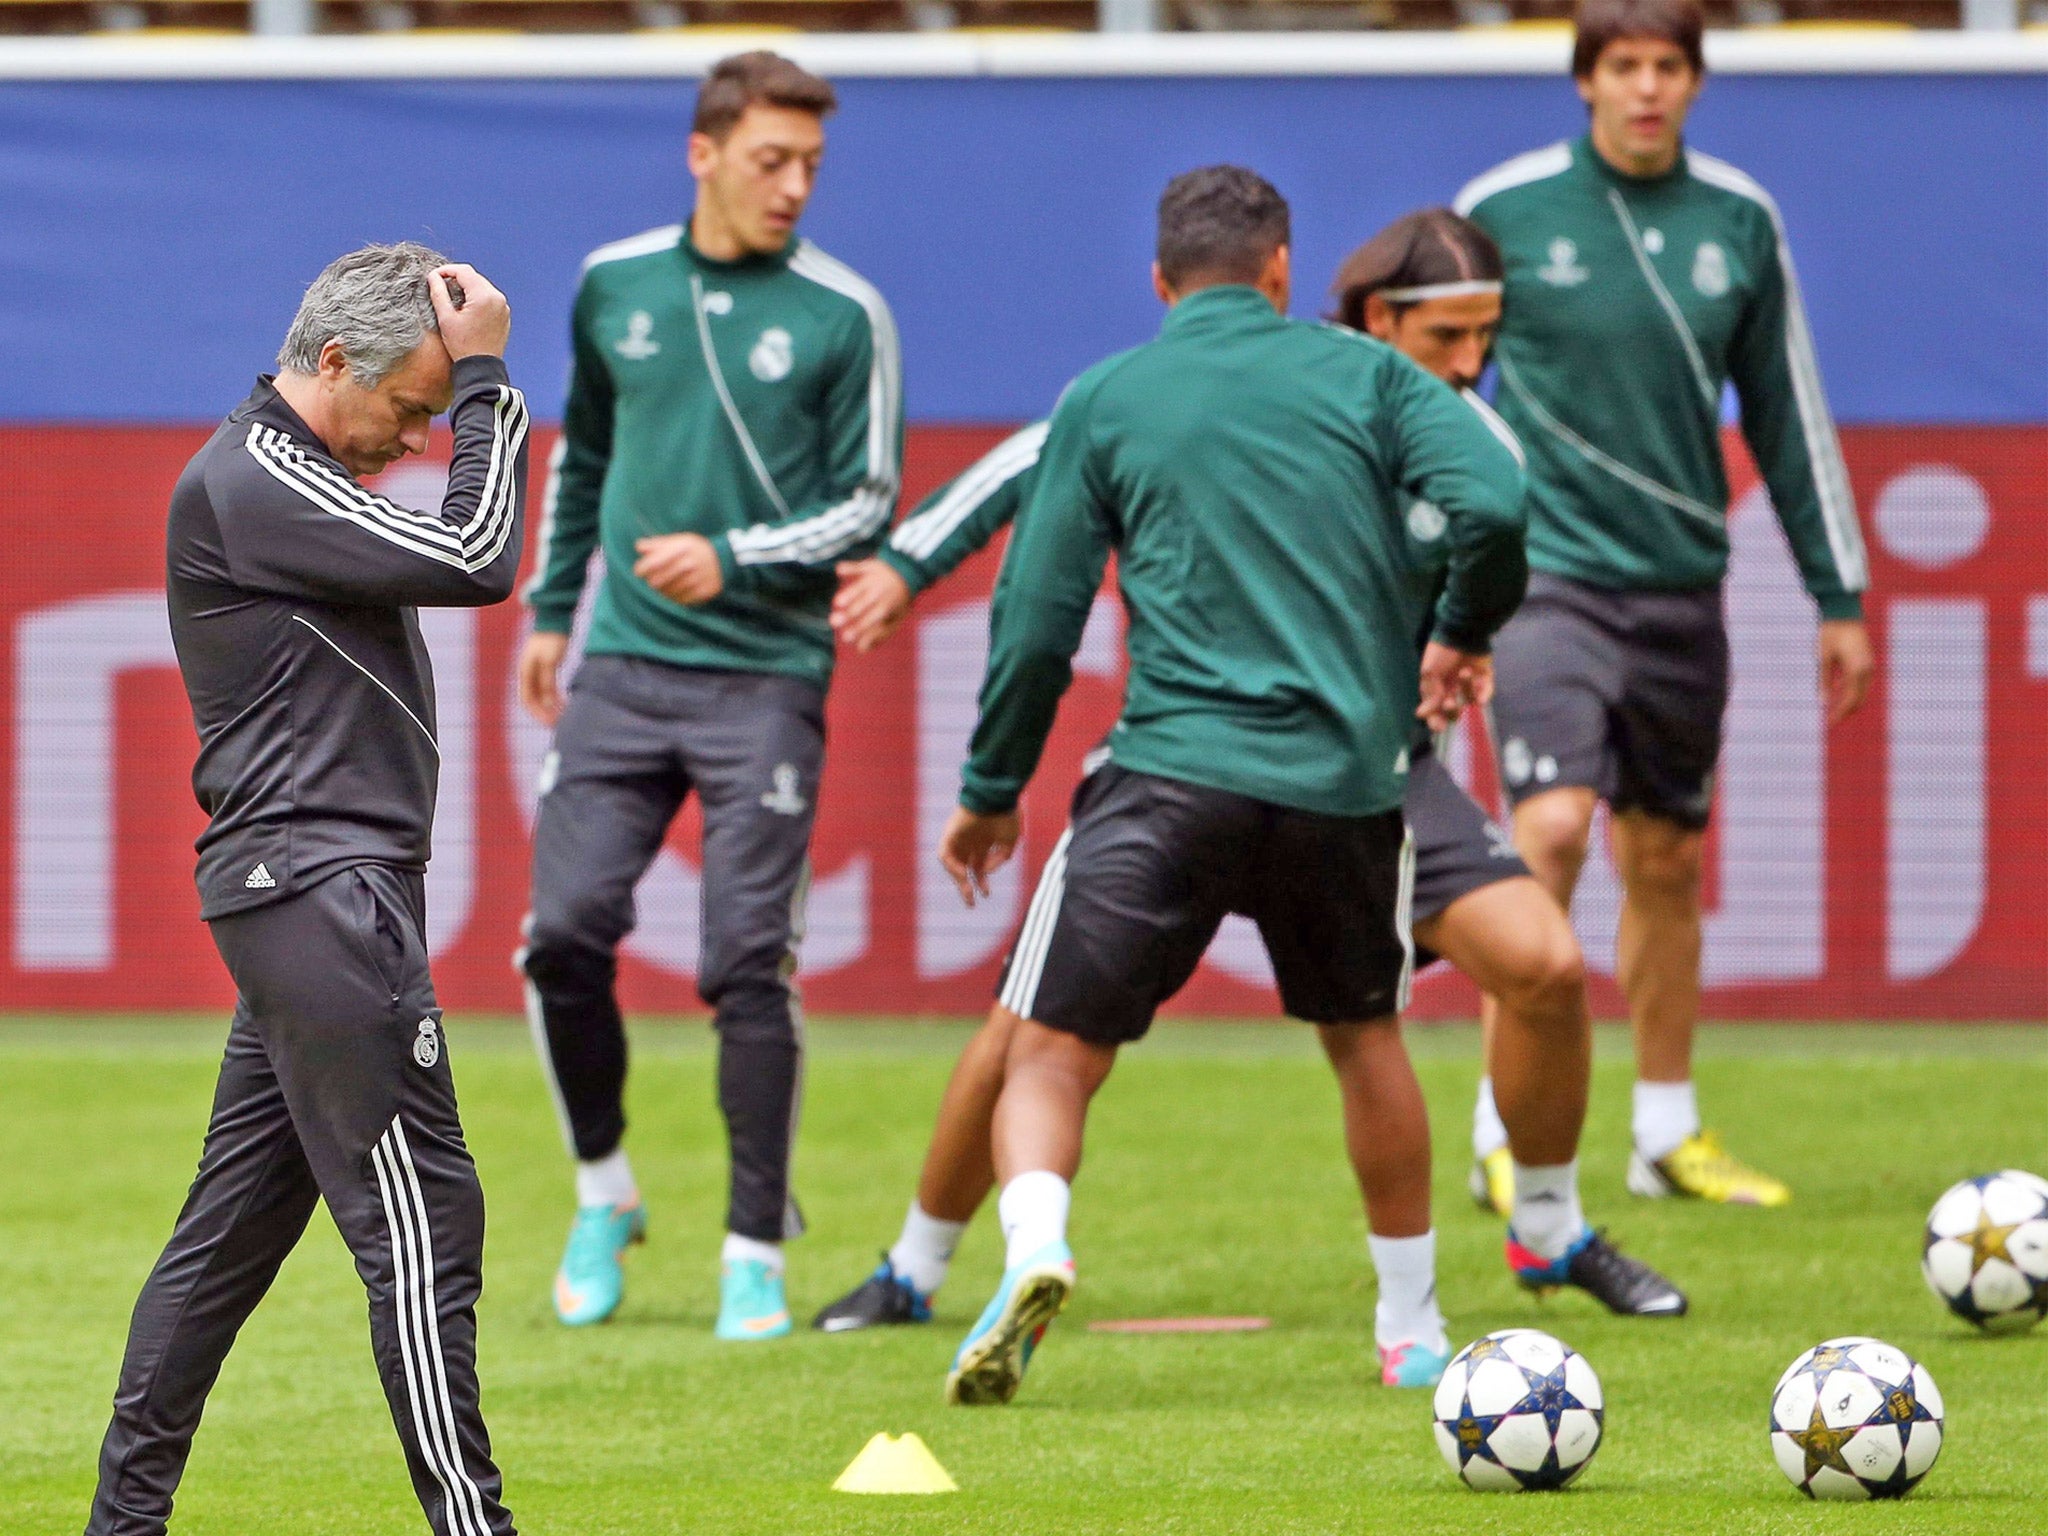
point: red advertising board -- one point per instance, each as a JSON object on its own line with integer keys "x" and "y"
{"x": 1891, "y": 867}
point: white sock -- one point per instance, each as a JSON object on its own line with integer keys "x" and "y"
{"x": 608, "y": 1181}
{"x": 1547, "y": 1217}
{"x": 924, "y": 1251}
{"x": 1488, "y": 1134}
{"x": 1033, "y": 1209}
{"x": 1407, "y": 1312}
{"x": 1665, "y": 1115}
{"x": 737, "y": 1247}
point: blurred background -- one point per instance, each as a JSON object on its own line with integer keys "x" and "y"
{"x": 294, "y": 17}
{"x": 168, "y": 185}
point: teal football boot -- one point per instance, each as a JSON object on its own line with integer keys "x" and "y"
{"x": 991, "y": 1361}
{"x": 592, "y": 1279}
{"x": 1413, "y": 1364}
{"x": 750, "y": 1302}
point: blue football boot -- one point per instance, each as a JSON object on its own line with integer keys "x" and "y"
{"x": 991, "y": 1361}
{"x": 1413, "y": 1364}
{"x": 592, "y": 1279}
{"x": 750, "y": 1302}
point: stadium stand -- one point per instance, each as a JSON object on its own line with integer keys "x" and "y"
{"x": 175, "y": 18}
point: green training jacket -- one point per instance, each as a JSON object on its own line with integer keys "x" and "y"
{"x": 758, "y": 402}
{"x": 1631, "y": 303}
{"x": 1253, "y": 475}
{"x": 961, "y": 516}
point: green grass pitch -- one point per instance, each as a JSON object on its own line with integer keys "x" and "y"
{"x": 1214, "y": 1184}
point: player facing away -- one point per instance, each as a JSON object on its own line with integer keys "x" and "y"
{"x": 1643, "y": 278}
{"x": 733, "y": 428}
{"x": 1251, "y": 473}
{"x": 1428, "y": 285}
{"x": 292, "y": 592}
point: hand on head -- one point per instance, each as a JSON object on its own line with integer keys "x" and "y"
{"x": 481, "y": 323}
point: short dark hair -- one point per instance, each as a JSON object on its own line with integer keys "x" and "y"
{"x": 1222, "y": 223}
{"x": 1417, "y": 250}
{"x": 1600, "y": 22}
{"x": 757, "y": 78}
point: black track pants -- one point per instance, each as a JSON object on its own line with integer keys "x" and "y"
{"x": 637, "y": 737}
{"x": 335, "y": 1085}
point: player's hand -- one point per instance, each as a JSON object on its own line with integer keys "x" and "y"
{"x": 973, "y": 847}
{"x": 872, "y": 601}
{"x": 1848, "y": 665}
{"x": 483, "y": 323}
{"x": 1453, "y": 681}
{"x": 682, "y": 567}
{"x": 540, "y": 676}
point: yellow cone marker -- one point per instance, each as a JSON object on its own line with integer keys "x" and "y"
{"x": 889, "y": 1465}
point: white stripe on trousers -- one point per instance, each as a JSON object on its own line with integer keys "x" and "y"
{"x": 1404, "y": 919}
{"x": 419, "y": 1331}
{"x": 1027, "y": 962}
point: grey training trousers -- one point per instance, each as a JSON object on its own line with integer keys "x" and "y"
{"x": 637, "y": 737}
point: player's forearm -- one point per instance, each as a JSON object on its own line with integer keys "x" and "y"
{"x": 569, "y": 530}
{"x": 1018, "y": 704}
{"x": 1484, "y": 588}
{"x": 485, "y": 503}
{"x": 785, "y": 555}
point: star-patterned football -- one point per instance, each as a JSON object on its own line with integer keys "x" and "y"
{"x": 1518, "y": 1410}
{"x": 1986, "y": 1251}
{"x": 1855, "y": 1419}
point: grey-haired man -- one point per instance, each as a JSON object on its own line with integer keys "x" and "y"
{"x": 292, "y": 593}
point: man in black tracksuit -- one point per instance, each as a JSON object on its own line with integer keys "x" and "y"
{"x": 292, "y": 593}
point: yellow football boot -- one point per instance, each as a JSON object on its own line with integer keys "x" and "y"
{"x": 1493, "y": 1182}
{"x": 1702, "y": 1169}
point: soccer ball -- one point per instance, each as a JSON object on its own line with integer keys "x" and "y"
{"x": 1986, "y": 1252}
{"x": 1518, "y": 1409}
{"x": 1855, "y": 1419}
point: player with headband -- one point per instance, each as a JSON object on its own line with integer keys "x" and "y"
{"x": 1429, "y": 285}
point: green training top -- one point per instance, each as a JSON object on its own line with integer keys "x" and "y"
{"x": 961, "y": 516}
{"x": 1253, "y": 474}
{"x": 1631, "y": 303}
{"x": 758, "y": 402}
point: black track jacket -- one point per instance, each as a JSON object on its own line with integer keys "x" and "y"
{"x": 292, "y": 593}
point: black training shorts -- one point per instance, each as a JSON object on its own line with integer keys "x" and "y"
{"x": 1618, "y": 692}
{"x": 1148, "y": 869}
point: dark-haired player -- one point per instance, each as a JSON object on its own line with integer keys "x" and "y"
{"x": 733, "y": 430}
{"x": 1429, "y": 285}
{"x": 1642, "y": 279}
{"x": 1214, "y": 788}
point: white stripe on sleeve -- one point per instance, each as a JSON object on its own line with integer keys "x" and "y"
{"x": 1823, "y": 447}
{"x": 470, "y": 545}
{"x": 920, "y": 536}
